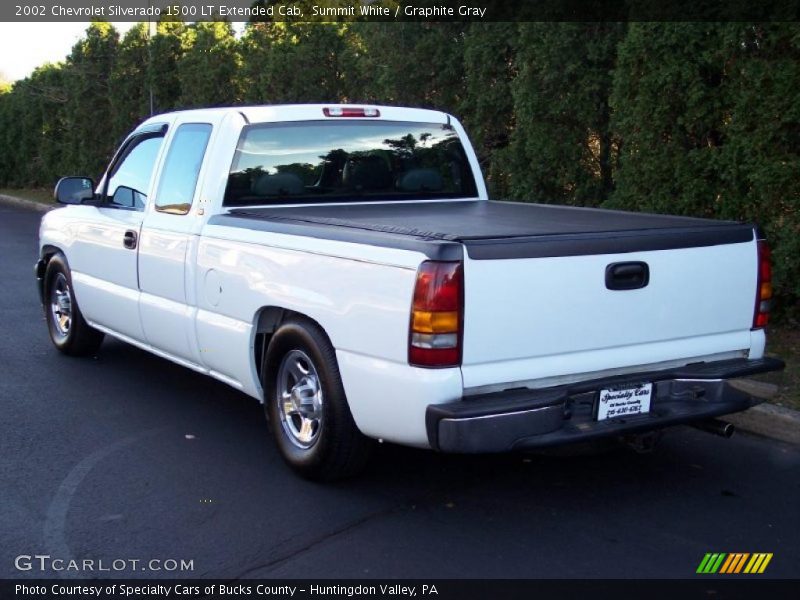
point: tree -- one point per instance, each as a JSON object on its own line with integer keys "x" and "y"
{"x": 130, "y": 90}
{"x": 256, "y": 45}
{"x": 208, "y": 69}
{"x": 15, "y": 148}
{"x": 6, "y": 121}
{"x": 32, "y": 137}
{"x": 88, "y": 88}
{"x": 487, "y": 106}
{"x": 49, "y": 100}
{"x": 412, "y": 64}
{"x": 562, "y": 149}
{"x": 296, "y": 62}
{"x": 669, "y": 100}
{"x": 166, "y": 49}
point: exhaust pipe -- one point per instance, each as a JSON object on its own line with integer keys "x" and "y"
{"x": 715, "y": 426}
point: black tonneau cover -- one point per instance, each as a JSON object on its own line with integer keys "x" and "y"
{"x": 489, "y": 229}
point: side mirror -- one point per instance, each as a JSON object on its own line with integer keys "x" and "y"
{"x": 74, "y": 190}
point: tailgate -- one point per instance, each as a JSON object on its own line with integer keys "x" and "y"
{"x": 545, "y": 320}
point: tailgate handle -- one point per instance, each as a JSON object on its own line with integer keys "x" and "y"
{"x": 627, "y": 275}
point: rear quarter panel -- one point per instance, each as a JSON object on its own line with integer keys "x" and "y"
{"x": 360, "y": 295}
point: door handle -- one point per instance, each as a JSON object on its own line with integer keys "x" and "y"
{"x": 129, "y": 239}
{"x": 627, "y": 275}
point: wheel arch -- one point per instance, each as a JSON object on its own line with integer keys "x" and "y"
{"x": 267, "y": 320}
{"x": 47, "y": 252}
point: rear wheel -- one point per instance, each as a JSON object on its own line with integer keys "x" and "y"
{"x": 69, "y": 332}
{"x": 306, "y": 405}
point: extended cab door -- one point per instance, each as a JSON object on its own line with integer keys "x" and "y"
{"x": 103, "y": 255}
{"x": 168, "y": 231}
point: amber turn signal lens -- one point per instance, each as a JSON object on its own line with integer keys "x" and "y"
{"x": 425, "y": 321}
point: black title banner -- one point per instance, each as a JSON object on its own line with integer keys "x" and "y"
{"x": 400, "y": 10}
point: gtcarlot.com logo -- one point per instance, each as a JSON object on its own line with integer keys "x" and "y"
{"x": 45, "y": 562}
{"x": 734, "y": 563}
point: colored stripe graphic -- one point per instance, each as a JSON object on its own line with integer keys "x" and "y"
{"x": 766, "y": 562}
{"x": 703, "y": 563}
{"x": 727, "y": 564}
{"x": 749, "y": 568}
{"x": 733, "y": 563}
{"x": 740, "y": 564}
{"x": 718, "y": 563}
{"x": 711, "y": 562}
{"x": 758, "y": 563}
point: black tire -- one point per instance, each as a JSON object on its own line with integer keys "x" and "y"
{"x": 339, "y": 449}
{"x": 77, "y": 338}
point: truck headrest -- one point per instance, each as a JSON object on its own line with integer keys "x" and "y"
{"x": 417, "y": 180}
{"x": 367, "y": 173}
{"x": 279, "y": 184}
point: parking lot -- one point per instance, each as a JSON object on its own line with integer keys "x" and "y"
{"x": 127, "y": 456}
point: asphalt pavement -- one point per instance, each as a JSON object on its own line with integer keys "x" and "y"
{"x": 127, "y": 456}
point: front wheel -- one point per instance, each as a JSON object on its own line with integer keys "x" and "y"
{"x": 307, "y": 407}
{"x": 69, "y": 332}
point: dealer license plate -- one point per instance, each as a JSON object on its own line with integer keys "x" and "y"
{"x": 624, "y": 402}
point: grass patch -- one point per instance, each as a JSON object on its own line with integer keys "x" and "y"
{"x": 40, "y": 195}
{"x": 784, "y": 342}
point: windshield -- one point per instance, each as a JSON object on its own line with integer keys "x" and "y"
{"x": 335, "y": 161}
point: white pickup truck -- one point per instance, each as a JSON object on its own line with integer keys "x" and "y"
{"x": 343, "y": 265}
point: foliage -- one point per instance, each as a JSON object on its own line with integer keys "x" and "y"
{"x": 561, "y": 149}
{"x": 295, "y": 62}
{"x": 166, "y": 50}
{"x": 88, "y": 103}
{"x": 670, "y": 100}
{"x": 487, "y": 105}
{"x": 130, "y": 92}
{"x": 691, "y": 118}
{"x": 410, "y": 64}
{"x": 208, "y": 69}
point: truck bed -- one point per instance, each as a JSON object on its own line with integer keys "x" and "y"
{"x": 490, "y": 229}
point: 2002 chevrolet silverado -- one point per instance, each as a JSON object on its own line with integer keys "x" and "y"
{"x": 344, "y": 266}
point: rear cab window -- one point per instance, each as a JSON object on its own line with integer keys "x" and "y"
{"x": 323, "y": 161}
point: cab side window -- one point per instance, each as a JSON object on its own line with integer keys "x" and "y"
{"x": 130, "y": 179}
{"x": 178, "y": 179}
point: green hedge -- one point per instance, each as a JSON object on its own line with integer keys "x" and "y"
{"x": 688, "y": 118}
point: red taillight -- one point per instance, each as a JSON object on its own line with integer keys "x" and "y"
{"x": 763, "y": 287}
{"x": 350, "y": 111}
{"x": 437, "y": 315}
